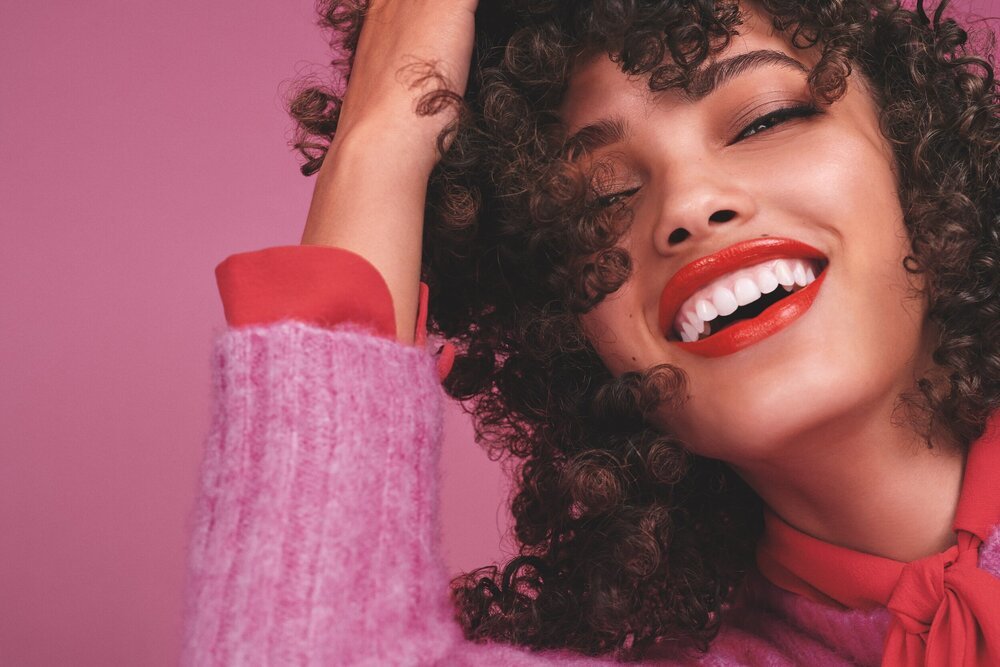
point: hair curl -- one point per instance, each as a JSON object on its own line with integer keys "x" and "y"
{"x": 627, "y": 538}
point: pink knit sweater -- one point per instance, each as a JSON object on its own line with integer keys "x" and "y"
{"x": 315, "y": 538}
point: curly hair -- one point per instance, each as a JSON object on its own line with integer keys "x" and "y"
{"x": 626, "y": 538}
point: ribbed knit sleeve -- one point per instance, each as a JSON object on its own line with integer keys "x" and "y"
{"x": 315, "y": 534}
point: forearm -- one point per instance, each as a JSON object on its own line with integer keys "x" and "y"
{"x": 369, "y": 198}
{"x": 370, "y": 193}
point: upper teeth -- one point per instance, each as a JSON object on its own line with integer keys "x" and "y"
{"x": 724, "y": 295}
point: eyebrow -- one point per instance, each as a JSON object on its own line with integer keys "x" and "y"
{"x": 704, "y": 82}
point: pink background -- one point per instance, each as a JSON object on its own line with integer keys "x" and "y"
{"x": 140, "y": 144}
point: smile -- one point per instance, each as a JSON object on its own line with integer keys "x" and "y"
{"x": 724, "y": 302}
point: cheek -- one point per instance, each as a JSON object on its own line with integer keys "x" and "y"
{"x": 837, "y": 176}
{"x": 621, "y": 333}
{"x": 856, "y": 194}
{"x": 606, "y": 329}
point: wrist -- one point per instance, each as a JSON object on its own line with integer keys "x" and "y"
{"x": 406, "y": 146}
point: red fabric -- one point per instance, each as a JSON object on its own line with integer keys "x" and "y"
{"x": 322, "y": 285}
{"x": 318, "y": 284}
{"x": 945, "y": 610}
{"x": 446, "y": 355}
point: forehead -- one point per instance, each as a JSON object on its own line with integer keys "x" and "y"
{"x": 598, "y": 88}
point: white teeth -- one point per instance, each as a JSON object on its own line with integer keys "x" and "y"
{"x": 692, "y": 330}
{"x": 705, "y": 310}
{"x": 739, "y": 288}
{"x": 689, "y": 332}
{"x": 783, "y": 273}
{"x": 767, "y": 281}
{"x": 724, "y": 300}
{"x": 696, "y": 324}
{"x": 746, "y": 291}
{"x": 799, "y": 273}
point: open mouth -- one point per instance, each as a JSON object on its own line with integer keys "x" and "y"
{"x": 742, "y": 296}
{"x": 730, "y": 299}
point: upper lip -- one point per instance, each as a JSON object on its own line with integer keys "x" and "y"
{"x": 695, "y": 275}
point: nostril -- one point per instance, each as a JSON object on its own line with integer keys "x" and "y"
{"x": 677, "y": 236}
{"x": 722, "y": 216}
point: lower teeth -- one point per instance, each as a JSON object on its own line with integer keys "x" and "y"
{"x": 708, "y": 325}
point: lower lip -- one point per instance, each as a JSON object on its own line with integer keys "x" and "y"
{"x": 747, "y": 332}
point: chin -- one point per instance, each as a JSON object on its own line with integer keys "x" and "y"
{"x": 817, "y": 389}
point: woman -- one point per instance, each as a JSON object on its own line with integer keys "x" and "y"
{"x": 723, "y": 276}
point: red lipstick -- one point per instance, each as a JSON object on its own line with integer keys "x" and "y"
{"x": 699, "y": 273}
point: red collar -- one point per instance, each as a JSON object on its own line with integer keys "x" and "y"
{"x": 945, "y": 610}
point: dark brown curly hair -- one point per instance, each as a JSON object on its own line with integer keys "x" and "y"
{"x": 627, "y": 538}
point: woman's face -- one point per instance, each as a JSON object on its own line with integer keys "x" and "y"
{"x": 703, "y": 175}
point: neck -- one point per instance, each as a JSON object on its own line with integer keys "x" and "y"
{"x": 865, "y": 484}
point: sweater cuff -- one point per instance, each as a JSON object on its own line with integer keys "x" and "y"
{"x": 321, "y": 285}
{"x": 317, "y": 284}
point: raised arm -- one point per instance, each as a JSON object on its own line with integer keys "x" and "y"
{"x": 370, "y": 191}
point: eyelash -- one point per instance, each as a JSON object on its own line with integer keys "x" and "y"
{"x": 773, "y": 118}
{"x": 781, "y": 115}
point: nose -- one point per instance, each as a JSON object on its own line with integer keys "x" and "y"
{"x": 696, "y": 204}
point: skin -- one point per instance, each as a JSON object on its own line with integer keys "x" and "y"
{"x": 806, "y": 416}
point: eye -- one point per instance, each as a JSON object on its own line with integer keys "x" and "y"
{"x": 605, "y": 201}
{"x": 769, "y": 120}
